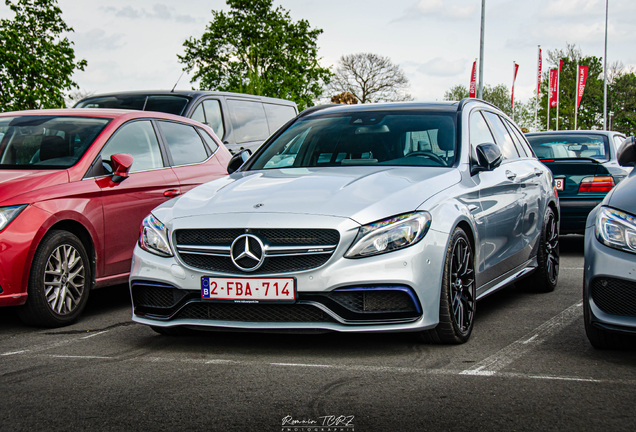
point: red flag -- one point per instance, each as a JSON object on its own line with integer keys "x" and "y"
{"x": 539, "y": 74}
{"x": 580, "y": 86}
{"x": 473, "y": 79}
{"x": 552, "y": 92}
{"x": 515, "y": 69}
{"x": 560, "y": 66}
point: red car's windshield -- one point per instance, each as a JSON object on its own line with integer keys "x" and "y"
{"x": 45, "y": 142}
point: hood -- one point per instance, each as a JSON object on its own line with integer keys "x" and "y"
{"x": 364, "y": 194}
{"x": 622, "y": 197}
{"x": 17, "y": 182}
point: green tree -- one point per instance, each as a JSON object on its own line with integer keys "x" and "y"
{"x": 36, "y": 62}
{"x": 590, "y": 115}
{"x": 621, "y": 100}
{"x": 259, "y": 50}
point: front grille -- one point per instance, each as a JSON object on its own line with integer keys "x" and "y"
{"x": 254, "y": 313}
{"x": 374, "y": 301}
{"x": 614, "y": 296}
{"x": 274, "y": 237}
{"x": 277, "y": 259}
{"x": 155, "y": 295}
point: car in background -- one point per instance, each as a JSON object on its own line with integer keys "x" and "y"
{"x": 584, "y": 167}
{"x": 240, "y": 121}
{"x": 75, "y": 185}
{"x": 609, "y": 290}
{"x": 355, "y": 218}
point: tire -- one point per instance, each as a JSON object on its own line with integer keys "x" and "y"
{"x": 57, "y": 291}
{"x": 603, "y": 339}
{"x": 546, "y": 276}
{"x": 458, "y": 294}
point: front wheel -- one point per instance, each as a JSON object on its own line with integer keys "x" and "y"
{"x": 59, "y": 282}
{"x": 458, "y": 294}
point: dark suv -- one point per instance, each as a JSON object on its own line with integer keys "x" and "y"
{"x": 239, "y": 120}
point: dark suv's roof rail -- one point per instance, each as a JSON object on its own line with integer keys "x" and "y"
{"x": 466, "y": 100}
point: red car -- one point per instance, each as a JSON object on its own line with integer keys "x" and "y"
{"x": 74, "y": 188}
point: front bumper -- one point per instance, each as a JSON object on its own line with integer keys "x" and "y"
{"x": 417, "y": 269}
{"x": 609, "y": 286}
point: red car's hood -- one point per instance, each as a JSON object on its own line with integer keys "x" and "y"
{"x": 18, "y": 182}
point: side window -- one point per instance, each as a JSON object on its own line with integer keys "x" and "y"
{"x": 524, "y": 142}
{"x": 248, "y": 120}
{"x": 212, "y": 145}
{"x": 213, "y": 117}
{"x": 618, "y": 140}
{"x": 184, "y": 143}
{"x": 479, "y": 130}
{"x": 139, "y": 140}
{"x": 278, "y": 115}
{"x": 515, "y": 138}
{"x": 199, "y": 114}
{"x": 504, "y": 140}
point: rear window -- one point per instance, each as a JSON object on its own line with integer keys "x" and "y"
{"x": 170, "y": 104}
{"x": 399, "y": 138}
{"x": 570, "y": 146}
{"x": 39, "y": 142}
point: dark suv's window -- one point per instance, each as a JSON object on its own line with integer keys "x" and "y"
{"x": 184, "y": 143}
{"x": 278, "y": 115}
{"x": 209, "y": 112}
{"x": 171, "y": 104}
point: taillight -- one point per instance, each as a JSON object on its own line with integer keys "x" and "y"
{"x": 596, "y": 184}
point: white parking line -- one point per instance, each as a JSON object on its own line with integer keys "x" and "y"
{"x": 14, "y": 353}
{"x": 502, "y": 358}
{"x": 80, "y": 357}
{"x": 95, "y": 334}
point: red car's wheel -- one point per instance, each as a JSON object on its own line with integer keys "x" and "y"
{"x": 59, "y": 282}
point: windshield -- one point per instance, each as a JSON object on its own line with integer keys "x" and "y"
{"x": 170, "y": 104}
{"x": 403, "y": 138}
{"x": 570, "y": 146}
{"x": 40, "y": 142}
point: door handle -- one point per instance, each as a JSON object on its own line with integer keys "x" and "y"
{"x": 537, "y": 172}
{"x": 511, "y": 175}
{"x": 171, "y": 193}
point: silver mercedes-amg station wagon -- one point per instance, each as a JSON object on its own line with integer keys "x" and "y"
{"x": 364, "y": 218}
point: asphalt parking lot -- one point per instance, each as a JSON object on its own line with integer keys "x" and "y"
{"x": 528, "y": 366}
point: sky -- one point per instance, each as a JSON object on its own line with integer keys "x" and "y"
{"x": 133, "y": 45}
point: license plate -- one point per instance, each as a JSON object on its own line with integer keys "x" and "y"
{"x": 252, "y": 290}
{"x": 559, "y": 183}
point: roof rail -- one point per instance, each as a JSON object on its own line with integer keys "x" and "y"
{"x": 466, "y": 100}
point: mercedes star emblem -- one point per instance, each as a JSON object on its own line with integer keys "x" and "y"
{"x": 247, "y": 252}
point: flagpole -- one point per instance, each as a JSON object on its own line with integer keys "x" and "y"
{"x": 576, "y": 96}
{"x": 481, "y": 50}
{"x": 547, "y": 122}
{"x": 512, "y": 100}
{"x": 557, "y": 98}
{"x": 605, "y": 70}
{"x": 536, "y": 102}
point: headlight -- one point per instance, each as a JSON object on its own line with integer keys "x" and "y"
{"x": 154, "y": 237}
{"x": 390, "y": 234}
{"x": 7, "y": 214}
{"x": 616, "y": 229}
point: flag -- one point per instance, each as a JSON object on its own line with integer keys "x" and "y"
{"x": 552, "y": 90}
{"x": 580, "y": 84}
{"x": 473, "y": 79}
{"x": 515, "y": 69}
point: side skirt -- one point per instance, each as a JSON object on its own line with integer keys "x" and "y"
{"x": 508, "y": 278}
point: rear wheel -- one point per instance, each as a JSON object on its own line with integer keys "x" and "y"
{"x": 59, "y": 282}
{"x": 458, "y": 294}
{"x": 546, "y": 275}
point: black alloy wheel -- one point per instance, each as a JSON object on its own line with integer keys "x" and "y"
{"x": 458, "y": 298}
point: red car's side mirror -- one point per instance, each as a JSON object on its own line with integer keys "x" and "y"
{"x": 121, "y": 164}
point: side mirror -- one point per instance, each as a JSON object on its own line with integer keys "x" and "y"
{"x": 238, "y": 160}
{"x": 627, "y": 152}
{"x": 121, "y": 164}
{"x": 488, "y": 157}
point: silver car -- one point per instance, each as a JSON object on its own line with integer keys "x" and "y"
{"x": 368, "y": 218}
{"x": 609, "y": 289}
